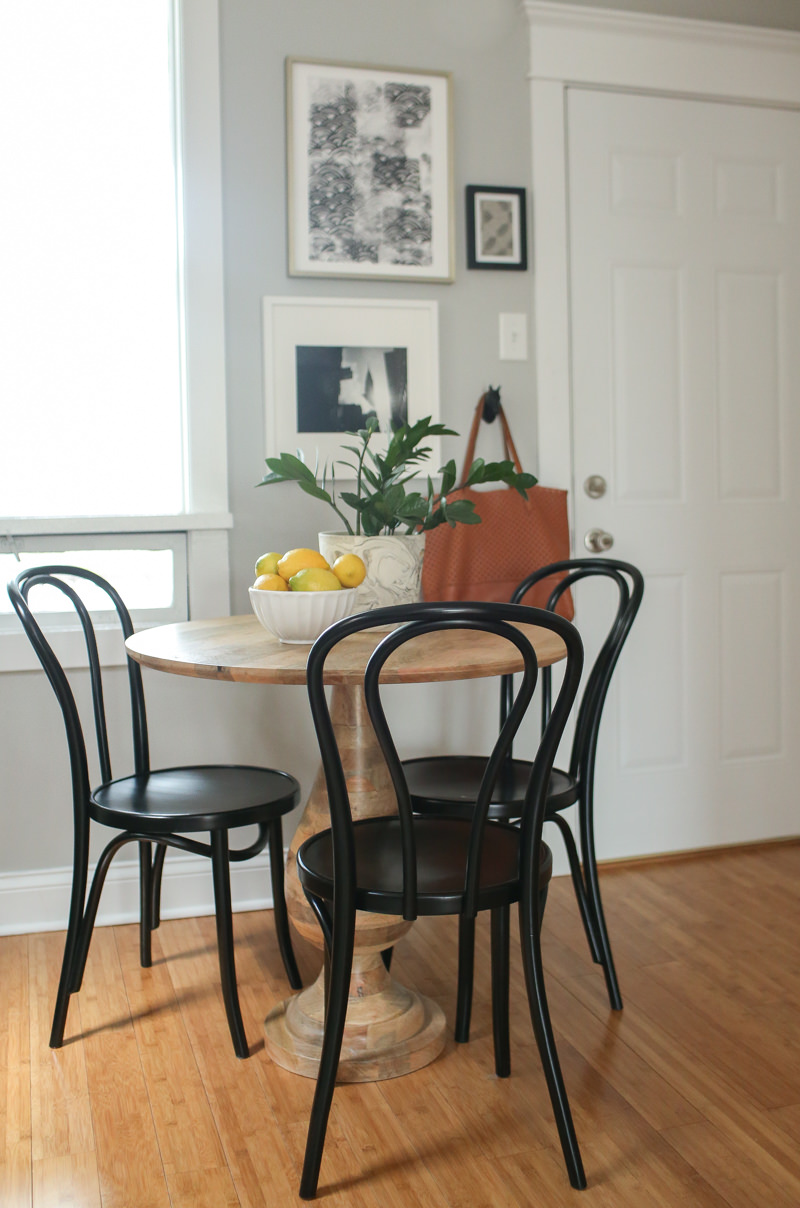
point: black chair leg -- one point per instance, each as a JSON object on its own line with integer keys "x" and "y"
{"x": 227, "y": 966}
{"x": 529, "y": 925}
{"x": 279, "y": 905}
{"x": 323, "y": 917}
{"x": 341, "y": 961}
{"x": 145, "y": 904}
{"x": 66, "y": 981}
{"x": 596, "y": 903}
{"x": 584, "y": 905}
{"x": 90, "y": 912}
{"x": 501, "y": 935}
{"x": 158, "y": 872}
{"x": 466, "y": 975}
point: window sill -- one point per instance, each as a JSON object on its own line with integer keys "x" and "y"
{"x": 45, "y": 526}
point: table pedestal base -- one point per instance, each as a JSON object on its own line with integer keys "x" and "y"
{"x": 389, "y": 1031}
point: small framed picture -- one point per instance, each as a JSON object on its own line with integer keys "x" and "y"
{"x": 496, "y": 233}
{"x": 330, "y": 364}
{"x": 370, "y": 171}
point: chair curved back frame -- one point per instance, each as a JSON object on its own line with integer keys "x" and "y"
{"x": 83, "y": 908}
{"x": 414, "y": 621}
{"x": 587, "y": 723}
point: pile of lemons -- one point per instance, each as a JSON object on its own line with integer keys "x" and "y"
{"x": 307, "y": 570}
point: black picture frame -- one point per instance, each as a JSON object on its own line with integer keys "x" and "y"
{"x": 496, "y": 228}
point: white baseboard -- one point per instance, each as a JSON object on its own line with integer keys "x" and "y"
{"x": 39, "y": 901}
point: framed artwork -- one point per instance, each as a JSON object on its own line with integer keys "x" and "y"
{"x": 370, "y": 174}
{"x": 496, "y": 231}
{"x": 332, "y": 363}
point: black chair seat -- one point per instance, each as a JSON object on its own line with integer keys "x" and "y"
{"x": 442, "y": 846}
{"x": 448, "y": 785}
{"x": 200, "y": 798}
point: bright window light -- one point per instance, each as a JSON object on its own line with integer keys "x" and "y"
{"x": 90, "y": 372}
{"x": 144, "y": 578}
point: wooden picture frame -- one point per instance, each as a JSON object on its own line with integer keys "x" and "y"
{"x": 370, "y": 172}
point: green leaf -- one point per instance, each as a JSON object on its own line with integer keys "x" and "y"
{"x": 353, "y": 501}
{"x": 312, "y": 489}
{"x": 449, "y": 475}
{"x": 462, "y": 511}
{"x": 287, "y": 468}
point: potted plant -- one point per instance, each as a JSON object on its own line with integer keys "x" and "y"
{"x": 389, "y": 513}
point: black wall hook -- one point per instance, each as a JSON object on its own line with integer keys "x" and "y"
{"x": 491, "y": 404}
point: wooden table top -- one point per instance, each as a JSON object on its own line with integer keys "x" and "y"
{"x": 240, "y": 649}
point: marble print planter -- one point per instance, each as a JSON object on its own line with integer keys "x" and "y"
{"x": 394, "y": 566}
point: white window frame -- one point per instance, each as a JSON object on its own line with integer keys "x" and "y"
{"x": 62, "y": 629}
{"x": 207, "y": 518}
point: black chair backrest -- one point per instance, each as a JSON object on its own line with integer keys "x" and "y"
{"x": 415, "y": 620}
{"x": 630, "y": 588}
{"x": 59, "y": 577}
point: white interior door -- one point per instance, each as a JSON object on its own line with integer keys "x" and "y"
{"x": 684, "y": 242}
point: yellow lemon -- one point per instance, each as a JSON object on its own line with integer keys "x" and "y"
{"x": 314, "y": 578}
{"x": 349, "y": 570}
{"x": 270, "y": 583}
{"x": 267, "y": 564}
{"x": 300, "y": 559}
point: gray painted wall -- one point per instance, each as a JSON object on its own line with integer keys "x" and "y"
{"x": 484, "y": 44}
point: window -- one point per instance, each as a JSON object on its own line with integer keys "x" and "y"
{"x": 112, "y": 376}
{"x": 143, "y": 568}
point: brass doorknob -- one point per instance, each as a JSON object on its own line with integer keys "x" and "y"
{"x": 597, "y": 541}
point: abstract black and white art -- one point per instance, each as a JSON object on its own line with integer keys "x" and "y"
{"x": 340, "y": 388}
{"x": 331, "y": 364}
{"x": 370, "y": 180}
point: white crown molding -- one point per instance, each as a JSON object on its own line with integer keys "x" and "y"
{"x": 39, "y": 901}
{"x": 611, "y": 48}
{"x": 615, "y": 20}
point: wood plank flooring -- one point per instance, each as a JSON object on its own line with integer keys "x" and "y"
{"x": 688, "y": 1098}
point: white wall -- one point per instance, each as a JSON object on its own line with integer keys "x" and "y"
{"x": 484, "y": 44}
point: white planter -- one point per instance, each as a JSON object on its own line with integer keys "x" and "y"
{"x": 394, "y": 566}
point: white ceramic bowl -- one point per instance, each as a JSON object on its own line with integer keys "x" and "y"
{"x": 300, "y": 617}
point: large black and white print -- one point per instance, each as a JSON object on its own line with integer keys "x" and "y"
{"x": 340, "y": 388}
{"x": 370, "y": 181}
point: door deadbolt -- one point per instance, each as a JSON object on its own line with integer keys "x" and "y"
{"x": 595, "y": 486}
{"x": 597, "y": 541}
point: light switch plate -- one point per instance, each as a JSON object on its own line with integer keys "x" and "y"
{"x": 513, "y": 337}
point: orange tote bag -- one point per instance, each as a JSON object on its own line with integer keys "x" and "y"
{"x": 516, "y": 536}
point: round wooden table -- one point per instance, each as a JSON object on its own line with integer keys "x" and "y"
{"x": 390, "y": 1029}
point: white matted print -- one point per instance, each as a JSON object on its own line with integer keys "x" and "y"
{"x": 332, "y": 363}
{"x": 370, "y": 180}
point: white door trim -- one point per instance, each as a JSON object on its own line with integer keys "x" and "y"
{"x": 571, "y": 45}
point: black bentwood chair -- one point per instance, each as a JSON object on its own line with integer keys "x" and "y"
{"x": 150, "y": 807}
{"x": 449, "y": 784}
{"x": 410, "y": 866}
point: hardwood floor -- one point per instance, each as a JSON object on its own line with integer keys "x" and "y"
{"x": 689, "y": 1098}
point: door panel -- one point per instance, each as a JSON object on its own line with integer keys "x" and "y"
{"x": 684, "y": 228}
